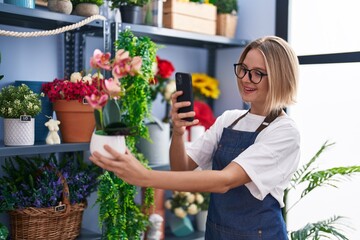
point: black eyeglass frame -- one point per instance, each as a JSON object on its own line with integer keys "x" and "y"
{"x": 248, "y": 71}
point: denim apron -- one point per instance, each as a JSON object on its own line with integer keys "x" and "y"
{"x": 236, "y": 214}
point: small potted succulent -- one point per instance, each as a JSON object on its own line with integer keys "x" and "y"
{"x": 18, "y": 106}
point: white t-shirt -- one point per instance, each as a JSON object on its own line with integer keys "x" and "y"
{"x": 269, "y": 162}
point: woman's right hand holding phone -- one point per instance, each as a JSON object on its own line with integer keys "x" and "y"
{"x": 179, "y": 124}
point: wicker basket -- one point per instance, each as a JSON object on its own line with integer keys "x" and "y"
{"x": 53, "y": 223}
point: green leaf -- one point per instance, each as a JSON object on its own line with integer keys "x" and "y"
{"x": 4, "y": 232}
{"x": 321, "y": 230}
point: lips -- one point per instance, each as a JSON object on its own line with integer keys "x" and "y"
{"x": 249, "y": 89}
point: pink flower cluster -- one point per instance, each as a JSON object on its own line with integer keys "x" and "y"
{"x": 121, "y": 66}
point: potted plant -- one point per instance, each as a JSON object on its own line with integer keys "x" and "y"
{"x": 130, "y": 220}
{"x": 308, "y": 177}
{"x": 68, "y": 98}
{"x": 45, "y": 195}
{"x": 86, "y": 8}
{"x": 131, "y": 10}
{"x": 182, "y": 204}
{"x": 226, "y": 17}
{"x": 19, "y": 106}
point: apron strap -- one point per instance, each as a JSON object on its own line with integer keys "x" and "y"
{"x": 238, "y": 119}
{"x": 269, "y": 118}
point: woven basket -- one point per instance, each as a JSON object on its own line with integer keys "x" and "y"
{"x": 48, "y": 223}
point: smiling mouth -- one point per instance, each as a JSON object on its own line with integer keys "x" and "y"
{"x": 249, "y": 90}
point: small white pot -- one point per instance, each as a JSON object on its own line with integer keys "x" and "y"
{"x": 18, "y": 133}
{"x": 97, "y": 143}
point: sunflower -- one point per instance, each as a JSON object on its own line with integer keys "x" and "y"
{"x": 205, "y": 85}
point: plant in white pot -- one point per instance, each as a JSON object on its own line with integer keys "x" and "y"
{"x": 18, "y": 106}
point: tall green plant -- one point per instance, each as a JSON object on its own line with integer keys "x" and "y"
{"x": 120, "y": 216}
{"x": 314, "y": 178}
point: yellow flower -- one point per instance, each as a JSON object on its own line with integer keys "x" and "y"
{"x": 205, "y": 85}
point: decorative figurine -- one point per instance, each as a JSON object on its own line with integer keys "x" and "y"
{"x": 52, "y": 137}
{"x": 154, "y": 232}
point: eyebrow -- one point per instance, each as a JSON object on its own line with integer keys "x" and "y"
{"x": 256, "y": 68}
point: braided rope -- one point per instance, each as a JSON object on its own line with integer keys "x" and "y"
{"x": 52, "y": 32}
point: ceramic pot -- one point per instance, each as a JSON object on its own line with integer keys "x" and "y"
{"x": 18, "y": 133}
{"x": 132, "y": 14}
{"x": 181, "y": 227}
{"x": 61, "y": 6}
{"x": 77, "y": 121}
{"x": 98, "y": 141}
{"x": 156, "y": 151}
{"x": 86, "y": 9}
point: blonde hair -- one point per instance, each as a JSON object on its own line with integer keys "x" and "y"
{"x": 282, "y": 69}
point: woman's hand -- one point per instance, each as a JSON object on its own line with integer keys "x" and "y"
{"x": 124, "y": 166}
{"x": 180, "y": 125}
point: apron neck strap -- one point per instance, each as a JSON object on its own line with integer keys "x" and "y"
{"x": 269, "y": 118}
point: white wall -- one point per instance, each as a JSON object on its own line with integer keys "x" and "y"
{"x": 256, "y": 19}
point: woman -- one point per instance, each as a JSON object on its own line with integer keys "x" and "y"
{"x": 247, "y": 157}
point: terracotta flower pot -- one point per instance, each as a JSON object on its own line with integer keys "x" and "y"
{"x": 77, "y": 121}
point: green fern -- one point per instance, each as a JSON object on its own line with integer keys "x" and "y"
{"x": 321, "y": 230}
{"x": 315, "y": 179}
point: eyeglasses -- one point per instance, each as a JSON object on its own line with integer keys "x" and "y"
{"x": 255, "y": 75}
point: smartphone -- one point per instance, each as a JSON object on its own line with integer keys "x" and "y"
{"x": 184, "y": 84}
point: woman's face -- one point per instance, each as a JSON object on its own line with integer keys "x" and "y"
{"x": 250, "y": 92}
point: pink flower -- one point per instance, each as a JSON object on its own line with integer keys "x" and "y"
{"x": 121, "y": 56}
{"x": 121, "y": 69}
{"x": 100, "y": 60}
{"x": 96, "y": 101}
{"x": 112, "y": 87}
{"x": 135, "y": 64}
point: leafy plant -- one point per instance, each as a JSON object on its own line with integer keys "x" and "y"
{"x": 120, "y": 216}
{"x": 118, "y": 3}
{"x": 4, "y": 232}
{"x": 17, "y": 101}
{"x": 226, "y": 6}
{"x": 96, "y": 2}
{"x": 314, "y": 179}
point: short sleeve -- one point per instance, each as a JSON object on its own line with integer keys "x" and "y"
{"x": 271, "y": 160}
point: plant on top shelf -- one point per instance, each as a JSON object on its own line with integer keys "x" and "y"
{"x": 226, "y": 6}
{"x": 118, "y": 3}
{"x": 129, "y": 220}
{"x": 96, "y": 2}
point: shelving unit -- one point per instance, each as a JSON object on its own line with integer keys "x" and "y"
{"x": 42, "y": 19}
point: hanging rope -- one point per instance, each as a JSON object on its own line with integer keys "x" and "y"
{"x": 54, "y": 31}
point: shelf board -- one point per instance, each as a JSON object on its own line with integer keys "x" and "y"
{"x": 41, "y": 18}
{"x": 183, "y": 38}
{"x": 41, "y": 148}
